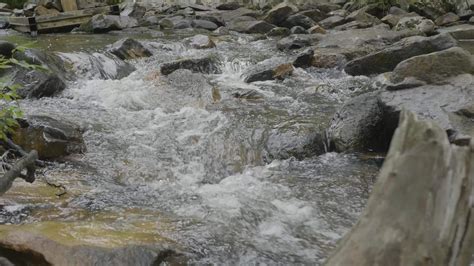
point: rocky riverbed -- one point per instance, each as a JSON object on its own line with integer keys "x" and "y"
{"x": 191, "y": 134}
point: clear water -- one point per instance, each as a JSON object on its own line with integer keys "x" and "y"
{"x": 180, "y": 160}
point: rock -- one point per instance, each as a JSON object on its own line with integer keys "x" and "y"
{"x": 207, "y": 65}
{"x": 446, "y": 19}
{"x": 298, "y": 30}
{"x": 6, "y": 49}
{"x": 297, "y": 41}
{"x": 228, "y": 6}
{"x": 387, "y": 59}
{"x": 315, "y": 14}
{"x": 279, "y": 31}
{"x": 51, "y": 138}
{"x": 50, "y": 4}
{"x": 435, "y": 68}
{"x": 323, "y": 6}
{"x": 416, "y": 23}
{"x": 24, "y": 248}
{"x": 298, "y": 20}
{"x": 317, "y": 29}
{"x": 460, "y": 32}
{"x": 368, "y": 121}
{"x": 134, "y": 10}
{"x": 182, "y": 24}
{"x": 221, "y": 31}
{"x": 214, "y": 18}
{"x": 304, "y": 59}
{"x": 43, "y": 11}
{"x": 280, "y": 13}
{"x": 332, "y": 22}
{"x": 391, "y": 20}
{"x": 241, "y": 12}
{"x": 248, "y": 94}
{"x": 256, "y": 26}
{"x": 105, "y": 23}
{"x": 201, "y": 42}
{"x": 204, "y": 24}
{"x": 129, "y": 49}
{"x": 323, "y": 59}
{"x": 36, "y": 84}
{"x": 274, "y": 68}
{"x": 353, "y": 25}
{"x": 186, "y": 12}
{"x": 363, "y": 17}
{"x": 340, "y": 12}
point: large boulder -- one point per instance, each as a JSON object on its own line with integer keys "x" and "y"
{"x": 129, "y": 49}
{"x": 279, "y": 13}
{"x": 105, "y": 23}
{"x": 418, "y": 23}
{"x": 38, "y": 84}
{"x": 274, "y": 68}
{"x": 460, "y": 32}
{"x": 387, "y": 59}
{"x": 207, "y": 65}
{"x": 50, "y": 137}
{"x": 435, "y": 67}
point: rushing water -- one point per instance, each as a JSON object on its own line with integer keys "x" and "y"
{"x": 181, "y": 160}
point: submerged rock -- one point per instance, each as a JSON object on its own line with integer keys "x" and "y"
{"x": 129, "y": 49}
{"x": 51, "y": 138}
{"x": 388, "y": 58}
{"x": 207, "y": 65}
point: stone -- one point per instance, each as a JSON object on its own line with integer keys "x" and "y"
{"x": 221, "y": 31}
{"x": 435, "y": 68}
{"x": 51, "y": 4}
{"x": 278, "y": 31}
{"x": 201, "y": 42}
{"x": 280, "y": 13}
{"x": 214, "y": 18}
{"x": 419, "y": 23}
{"x": 256, "y": 26}
{"x": 446, "y": 19}
{"x": 339, "y": 12}
{"x": 206, "y": 65}
{"x": 43, "y": 11}
{"x": 298, "y": 20}
{"x": 6, "y": 49}
{"x": 182, "y": 24}
{"x": 297, "y": 41}
{"x": 332, "y": 22}
{"x": 387, "y": 59}
{"x": 317, "y": 29}
{"x": 328, "y": 60}
{"x": 228, "y": 6}
{"x": 37, "y": 84}
{"x": 105, "y": 23}
{"x": 204, "y": 24}
{"x": 298, "y": 30}
{"x": 363, "y": 17}
{"x": 460, "y": 32}
{"x": 315, "y": 14}
{"x": 240, "y": 12}
{"x": 134, "y": 10}
{"x": 129, "y": 49}
{"x": 51, "y": 138}
{"x": 274, "y": 68}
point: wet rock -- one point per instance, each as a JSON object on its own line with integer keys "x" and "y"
{"x": 129, "y": 49}
{"x": 204, "y": 24}
{"x": 279, "y": 31}
{"x": 446, "y": 19}
{"x": 298, "y": 30}
{"x": 228, "y": 6}
{"x": 317, "y": 29}
{"x": 221, "y": 31}
{"x": 297, "y": 41}
{"x": 23, "y": 248}
{"x": 280, "y": 13}
{"x": 105, "y": 23}
{"x": 6, "y": 49}
{"x": 419, "y": 23}
{"x": 435, "y": 67}
{"x": 214, "y": 18}
{"x": 37, "y": 84}
{"x": 201, "y": 42}
{"x": 207, "y": 65}
{"x": 387, "y": 59}
{"x": 134, "y": 10}
{"x": 325, "y": 59}
{"x": 332, "y": 22}
{"x": 256, "y": 26}
{"x": 248, "y": 94}
{"x": 460, "y": 32}
{"x": 298, "y": 20}
{"x": 315, "y": 14}
{"x": 241, "y": 12}
{"x": 274, "y": 68}
{"x": 304, "y": 59}
{"x": 51, "y": 138}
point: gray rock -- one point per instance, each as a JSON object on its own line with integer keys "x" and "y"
{"x": 51, "y": 138}
{"x": 134, "y": 10}
{"x": 387, "y": 59}
{"x": 280, "y": 13}
{"x": 221, "y": 31}
{"x": 129, "y": 49}
{"x": 228, "y": 6}
{"x": 446, "y": 19}
{"x": 240, "y": 12}
{"x": 297, "y": 41}
{"x": 363, "y": 17}
{"x": 207, "y": 65}
{"x": 182, "y": 24}
{"x": 419, "y": 23}
{"x": 214, "y": 18}
{"x": 274, "y": 68}
{"x": 435, "y": 68}
{"x": 256, "y": 26}
{"x": 204, "y": 24}
{"x": 298, "y": 30}
{"x": 105, "y": 23}
{"x": 279, "y": 31}
{"x": 332, "y": 22}
{"x": 315, "y": 14}
{"x": 304, "y": 59}
{"x": 460, "y": 32}
{"x": 201, "y": 42}
{"x": 298, "y": 20}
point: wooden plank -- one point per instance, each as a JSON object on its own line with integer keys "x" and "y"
{"x": 69, "y": 5}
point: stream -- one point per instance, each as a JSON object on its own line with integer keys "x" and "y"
{"x": 182, "y": 160}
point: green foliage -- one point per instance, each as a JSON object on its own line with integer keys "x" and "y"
{"x": 14, "y": 3}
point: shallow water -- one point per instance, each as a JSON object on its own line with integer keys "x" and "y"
{"x": 180, "y": 160}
